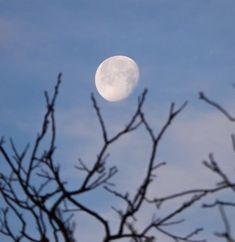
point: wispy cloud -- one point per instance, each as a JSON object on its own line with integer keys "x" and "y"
{"x": 186, "y": 144}
{"x": 8, "y": 33}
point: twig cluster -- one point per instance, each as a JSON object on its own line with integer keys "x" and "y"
{"x": 225, "y": 180}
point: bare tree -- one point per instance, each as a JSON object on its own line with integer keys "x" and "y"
{"x": 34, "y": 194}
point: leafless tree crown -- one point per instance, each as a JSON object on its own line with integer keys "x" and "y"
{"x": 32, "y": 187}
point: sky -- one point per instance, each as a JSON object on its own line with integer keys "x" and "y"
{"x": 181, "y": 47}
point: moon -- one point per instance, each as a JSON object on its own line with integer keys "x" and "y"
{"x": 116, "y": 77}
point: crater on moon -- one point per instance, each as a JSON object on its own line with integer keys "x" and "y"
{"x": 116, "y": 78}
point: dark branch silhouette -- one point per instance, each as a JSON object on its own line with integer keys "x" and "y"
{"x": 34, "y": 194}
{"x": 225, "y": 180}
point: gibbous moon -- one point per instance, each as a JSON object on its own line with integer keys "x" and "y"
{"x": 116, "y": 77}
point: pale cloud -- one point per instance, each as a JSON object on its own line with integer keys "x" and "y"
{"x": 186, "y": 144}
{"x": 204, "y": 132}
{"x": 9, "y": 33}
{"x": 188, "y": 141}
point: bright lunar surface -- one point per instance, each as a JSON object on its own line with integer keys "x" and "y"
{"x": 116, "y": 77}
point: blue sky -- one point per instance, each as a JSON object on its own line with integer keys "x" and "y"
{"x": 182, "y": 47}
